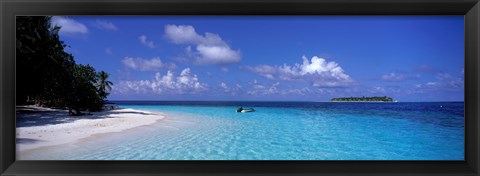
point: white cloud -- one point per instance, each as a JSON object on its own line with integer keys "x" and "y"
{"x": 318, "y": 71}
{"x": 260, "y": 89}
{"x": 217, "y": 55}
{"x": 233, "y": 90}
{"x": 182, "y": 34}
{"x": 265, "y": 71}
{"x": 141, "y": 64}
{"x": 443, "y": 81}
{"x": 144, "y": 41}
{"x": 105, "y": 25}
{"x": 395, "y": 77}
{"x": 302, "y": 91}
{"x": 68, "y": 25}
{"x": 224, "y": 86}
{"x": 210, "y": 48}
{"x": 185, "y": 83}
{"x": 378, "y": 89}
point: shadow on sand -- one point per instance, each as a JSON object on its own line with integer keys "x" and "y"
{"x": 28, "y": 117}
{"x": 27, "y": 141}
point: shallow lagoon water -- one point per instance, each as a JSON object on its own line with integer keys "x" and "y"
{"x": 283, "y": 131}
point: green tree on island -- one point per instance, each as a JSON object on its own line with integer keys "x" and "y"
{"x": 48, "y": 76}
{"x": 372, "y": 99}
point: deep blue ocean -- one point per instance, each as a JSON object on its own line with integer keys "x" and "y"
{"x": 292, "y": 131}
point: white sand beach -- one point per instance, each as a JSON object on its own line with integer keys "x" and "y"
{"x": 50, "y": 127}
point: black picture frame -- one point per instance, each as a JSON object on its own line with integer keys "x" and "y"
{"x": 10, "y": 8}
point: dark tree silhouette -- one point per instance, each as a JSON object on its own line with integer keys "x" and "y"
{"x": 48, "y": 76}
{"x": 104, "y": 86}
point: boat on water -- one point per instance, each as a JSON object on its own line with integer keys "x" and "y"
{"x": 241, "y": 109}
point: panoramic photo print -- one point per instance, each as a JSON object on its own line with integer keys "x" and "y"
{"x": 240, "y": 88}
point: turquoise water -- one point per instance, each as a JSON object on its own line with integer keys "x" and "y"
{"x": 289, "y": 131}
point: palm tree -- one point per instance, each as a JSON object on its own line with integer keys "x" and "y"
{"x": 103, "y": 84}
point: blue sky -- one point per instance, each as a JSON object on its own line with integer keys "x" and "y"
{"x": 268, "y": 58}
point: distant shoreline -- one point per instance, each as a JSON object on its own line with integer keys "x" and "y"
{"x": 363, "y": 99}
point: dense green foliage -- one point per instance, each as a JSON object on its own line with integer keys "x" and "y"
{"x": 385, "y": 99}
{"x": 85, "y": 95}
{"x": 42, "y": 66}
{"x": 48, "y": 76}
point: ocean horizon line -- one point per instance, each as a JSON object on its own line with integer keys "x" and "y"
{"x": 280, "y": 101}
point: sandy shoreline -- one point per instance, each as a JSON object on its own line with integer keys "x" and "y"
{"x": 50, "y": 127}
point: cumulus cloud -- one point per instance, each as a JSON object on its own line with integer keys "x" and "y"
{"x": 217, "y": 55}
{"x": 318, "y": 71}
{"x": 210, "y": 48}
{"x": 144, "y": 41}
{"x": 443, "y": 81}
{"x": 69, "y": 26}
{"x": 182, "y": 34}
{"x": 153, "y": 64}
{"x": 184, "y": 83}
{"x": 105, "y": 25}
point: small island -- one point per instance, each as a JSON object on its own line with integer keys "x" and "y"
{"x": 362, "y": 99}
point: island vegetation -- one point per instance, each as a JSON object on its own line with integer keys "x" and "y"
{"x": 48, "y": 76}
{"x": 363, "y": 99}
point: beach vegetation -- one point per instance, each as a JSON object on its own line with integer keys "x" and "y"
{"x": 84, "y": 95}
{"x": 48, "y": 76}
{"x": 103, "y": 84}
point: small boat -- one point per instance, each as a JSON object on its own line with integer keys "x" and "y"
{"x": 240, "y": 109}
{"x": 248, "y": 110}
